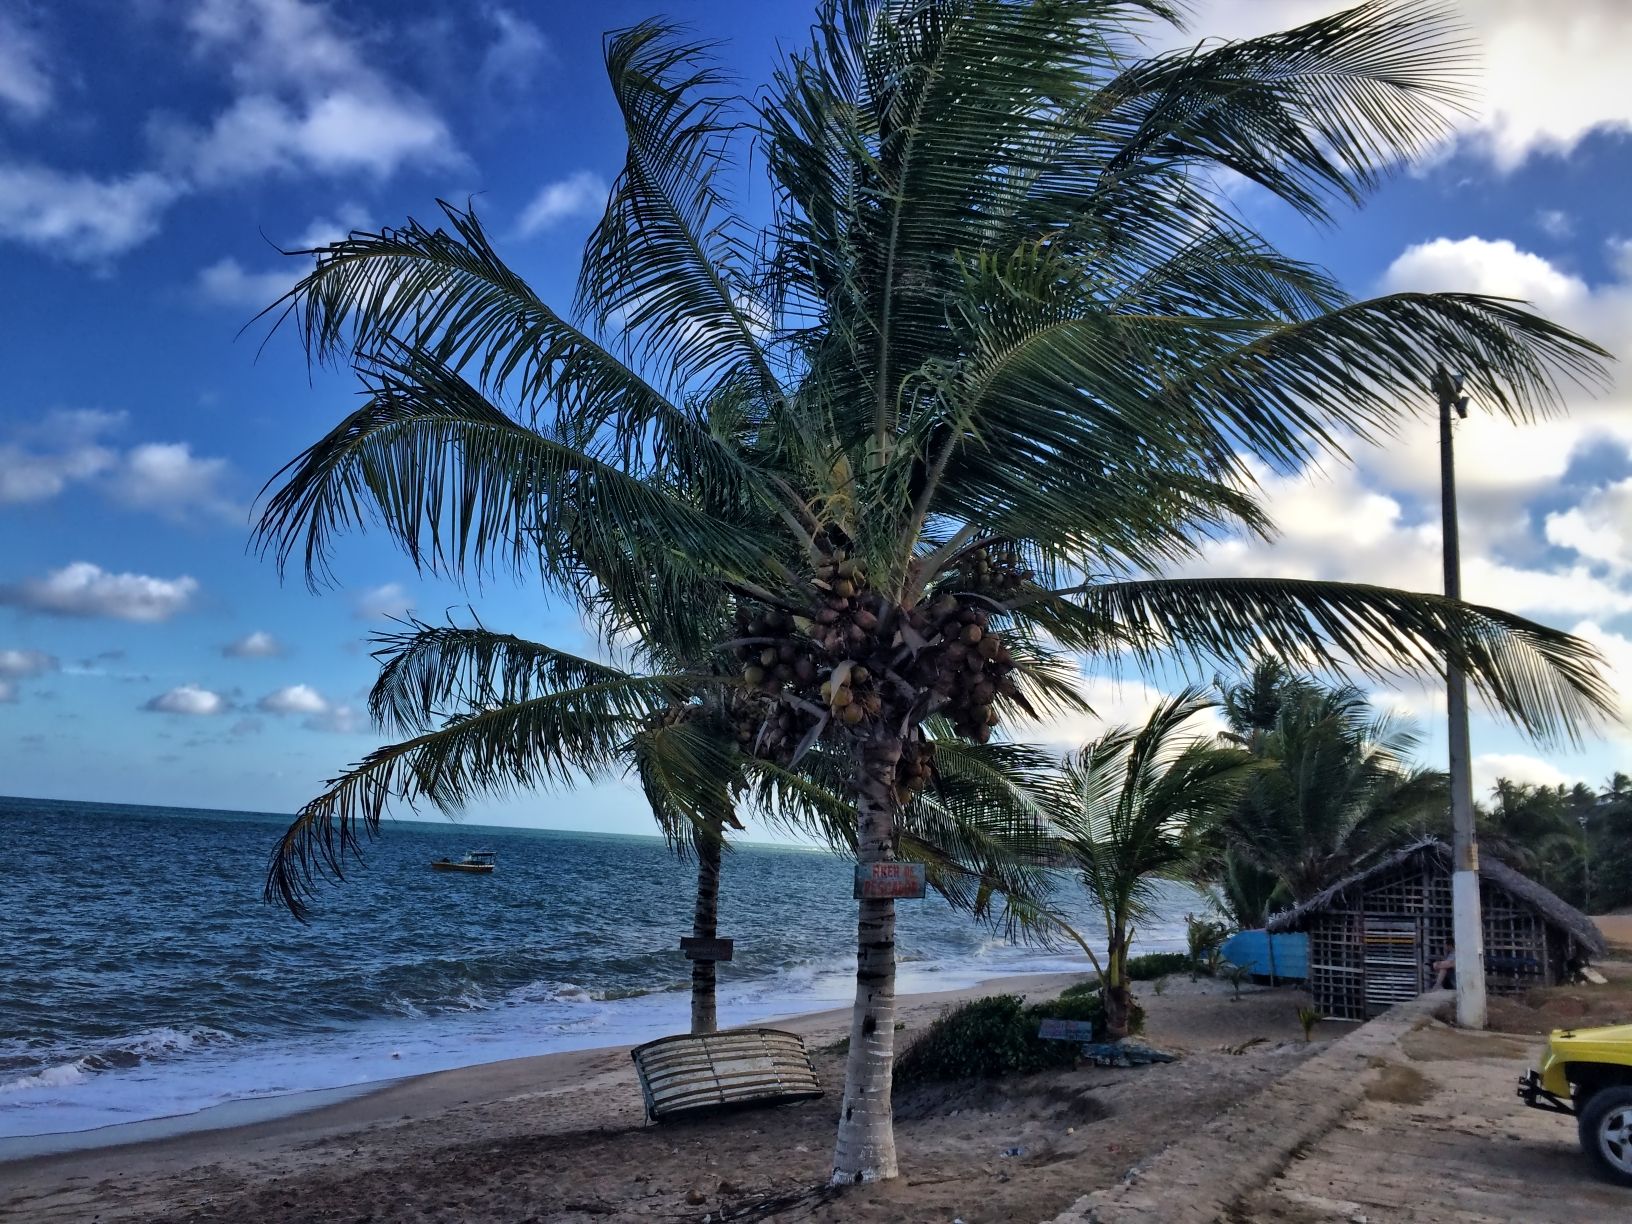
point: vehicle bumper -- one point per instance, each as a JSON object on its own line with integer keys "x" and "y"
{"x": 1534, "y": 1095}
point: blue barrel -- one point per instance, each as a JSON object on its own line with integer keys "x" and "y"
{"x": 1270, "y": 956}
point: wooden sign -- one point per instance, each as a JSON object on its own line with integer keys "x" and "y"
{"x": 877, "y": 881}
{"x": 698, "y": 949}
{"x": 1066, "y": 1030}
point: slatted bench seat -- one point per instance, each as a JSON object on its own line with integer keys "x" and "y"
{"x": 698, "y": 1074}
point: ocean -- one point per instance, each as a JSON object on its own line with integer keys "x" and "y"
{"x": 142, "y": 976}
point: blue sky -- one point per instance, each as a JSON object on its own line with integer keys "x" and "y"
{"x": 152, "y": 155}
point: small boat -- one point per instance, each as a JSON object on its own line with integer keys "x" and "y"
{"x": 480, "y": 861}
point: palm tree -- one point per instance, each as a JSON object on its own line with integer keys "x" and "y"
{"x": 1336, "y": 791}
{"x": 1002, "y": 357}
{"x": 1135, "y": 807}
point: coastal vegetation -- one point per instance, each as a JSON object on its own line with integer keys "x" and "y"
{"x": 1132, "y": 808}
{"x": 875, "y": 477}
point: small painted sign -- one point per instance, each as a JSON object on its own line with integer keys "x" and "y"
{"x": 698, "y": 949}
{"x": 1066, "y": 1030}
{"x": 877, "y": 881}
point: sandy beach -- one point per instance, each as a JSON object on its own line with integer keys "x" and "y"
{"x": 561, "y": 1137}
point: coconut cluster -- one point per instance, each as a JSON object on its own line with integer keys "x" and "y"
{"x": 855, "y": 660}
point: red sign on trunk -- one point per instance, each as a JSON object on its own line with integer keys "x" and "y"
{"x": 877, "y": 881}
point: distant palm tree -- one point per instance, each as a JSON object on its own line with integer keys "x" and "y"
{"x": 1135, "y": 807}
{"x": 1337, "y": 789}
{"x": 1002, "y": 357}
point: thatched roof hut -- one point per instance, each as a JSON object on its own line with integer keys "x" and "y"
{"x": 1374, "y": 935}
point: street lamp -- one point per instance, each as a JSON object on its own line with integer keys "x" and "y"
{"x": 1467, "y": 920}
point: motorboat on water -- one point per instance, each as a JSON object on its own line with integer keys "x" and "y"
{"x": 478, "y": 861}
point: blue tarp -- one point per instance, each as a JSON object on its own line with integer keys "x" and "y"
{"x": 1279, "y": 956}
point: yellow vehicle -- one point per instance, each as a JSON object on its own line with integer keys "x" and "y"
{"x": 1588, "y": 1073}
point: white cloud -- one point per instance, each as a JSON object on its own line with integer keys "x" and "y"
{"x": 1599, "y": 527}
{"x": 25, "y": 88}
{"x": 63, "y": 448}
{"x": 337, "y": 720}
{"x": 1482, "y": 265}
{"x": 1616, "y": 650}
{"x": 73, "y": 450}
{"x": 337, "y": 133}
{"x": 188, "y": 699}
{"x": 322, "y": 231}
{"x": 1547, "y": 74}
{"x": 380, "y": 602}
{"x": 257, "y": 644}
{"x": 578, "y": 194}
{"x": 310, "y": 99}
{"x": 1515, "y": 767}
{"x": 229, "y": 282}
{"x": 293, "y": 699}
{"x": 1555, "y": 222}
{"x": 83, "y": 589}
{"x": 167, "y": 478}
{"x": 26, "y": 664}
{"x": 517, "y": 48}
{"x": 81, "y": 218}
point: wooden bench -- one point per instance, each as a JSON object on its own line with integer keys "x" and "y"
{"x": 699, "y": 1074}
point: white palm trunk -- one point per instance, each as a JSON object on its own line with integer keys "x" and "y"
{"x": 865, "y": 1150}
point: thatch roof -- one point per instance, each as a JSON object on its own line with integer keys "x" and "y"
{"x": 1548, "y": 904}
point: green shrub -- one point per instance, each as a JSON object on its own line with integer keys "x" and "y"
{"x": 1152, "y": 965}
{"x": 997, "y": 1036}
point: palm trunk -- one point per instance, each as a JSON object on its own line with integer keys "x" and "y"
{"x": 1118, "y": 999}
{"x": 704, "y": 925}
{"x": 865, "y": 1150}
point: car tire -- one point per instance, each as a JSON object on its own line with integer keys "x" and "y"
{"x": 1605, "y": 1126}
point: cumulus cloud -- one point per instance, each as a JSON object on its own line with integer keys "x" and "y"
{"x": 337, "y": 720}
{"x": 578, "y": 194}
{"x": 306, "y": 99}
{"x": 188, "y": 699}
{"x": 67, "y": 447}
{"x": 380, "y": 602}
{"x": 83, "y": 589}
{"x": 257, "y": 644}
{"x": 80, "y": 217}
{"x": 320, "y": 714}
{"x": 227, "y": 281}
{"x": 1115, "y": 701}
{"x": 43, "y": 459}
{"x": 515, "y": 52}
{"x": 293, "y": 699}
{"x": 1599, "y": 527}
{"x": 1555, "y": 222}
{"x": 26, "y": 90}
{"x": 26, "y": 664}
{"x": 167, "y": 478}
{"x": 1547, "y": 74}
{"x": 310, "y": 100}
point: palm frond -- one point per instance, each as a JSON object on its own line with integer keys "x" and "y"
{"x": 1541, "y": 678}
{"x": 546, "y": 741}
{"x": 668, "y": 260}
{"x": 426, "y": 670}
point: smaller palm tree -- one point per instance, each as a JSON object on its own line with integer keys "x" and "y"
{"x": 1337, "y": 787}
{"x": 1134, "y": 806}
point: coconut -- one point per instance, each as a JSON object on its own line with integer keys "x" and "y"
{"x": 754, "y": 675}
{"x": 852, "y": 714}
{"x": 842, "y": 696}
{"x": 973, "y": 633}
{"x": 767, "y": 656}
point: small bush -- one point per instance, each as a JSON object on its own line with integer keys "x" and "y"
{"x": 997, "y": 1036}
{"x": 1152, "y": 965}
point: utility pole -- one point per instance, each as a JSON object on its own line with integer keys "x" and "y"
{"x": 1467, "y": 920}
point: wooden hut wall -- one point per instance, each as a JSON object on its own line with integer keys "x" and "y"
{"x": 1521, "y": 950}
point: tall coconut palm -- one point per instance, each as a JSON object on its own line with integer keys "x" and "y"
{"x": 1135, "y": 807}
{"x": 1001, "y": 359}
{"x": 1337, "y": 789}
